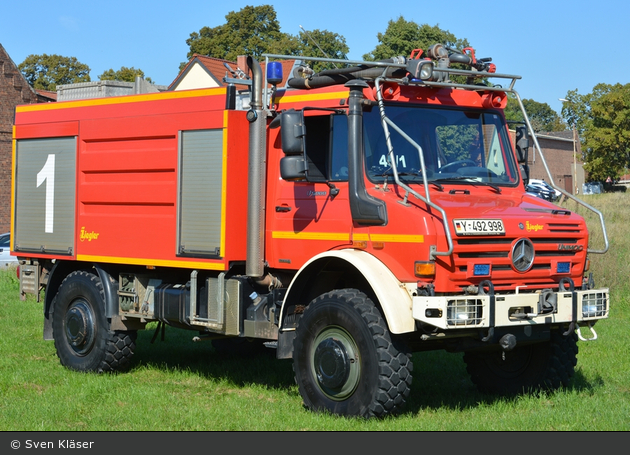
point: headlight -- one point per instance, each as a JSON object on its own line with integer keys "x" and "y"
{"x": 594, "y": 304}
{"x": 466, "y": 312}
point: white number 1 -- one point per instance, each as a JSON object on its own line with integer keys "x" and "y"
{"x": 47, "y": 174}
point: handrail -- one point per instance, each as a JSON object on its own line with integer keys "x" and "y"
{"x": 427, "y": 200}
{"x": 553, "y": 184}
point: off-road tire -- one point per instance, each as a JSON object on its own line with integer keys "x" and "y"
{"x": 541, "y": 366}
{"x": 81, "y": 331}
{"x": 345, "y": 360}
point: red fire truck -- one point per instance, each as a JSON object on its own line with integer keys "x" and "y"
{"x": 349, "y": 219}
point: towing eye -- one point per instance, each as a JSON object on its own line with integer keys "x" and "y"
{"x": 574, "y": 324}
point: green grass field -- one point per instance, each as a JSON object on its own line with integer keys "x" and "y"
{"x": 177, "y": 384}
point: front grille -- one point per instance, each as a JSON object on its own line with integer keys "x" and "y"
{"x": 561, "y": 227}
{"x": 557, "y": 242}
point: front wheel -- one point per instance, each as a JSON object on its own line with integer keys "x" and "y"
{"x": 81, "y": 330}
{"x": 541, "y": 366}
{"x": 345, "y": 360}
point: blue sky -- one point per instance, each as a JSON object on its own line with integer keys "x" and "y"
{"x": 556, "y": 46}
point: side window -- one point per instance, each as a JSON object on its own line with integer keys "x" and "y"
{"x": 315, "y": 146}
{"x": 326, "y": 147}
{"x": 339, "y": 145}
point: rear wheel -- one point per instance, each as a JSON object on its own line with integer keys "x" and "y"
{"x": 541, "y": 366}
{"x": 81, "y": 330}
{"x": 345, "y": 361}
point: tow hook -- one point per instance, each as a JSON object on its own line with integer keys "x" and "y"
{"x": 507, "y": 342}
{"x": 590, "y": 326}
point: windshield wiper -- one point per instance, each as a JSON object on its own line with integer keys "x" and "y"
{"x": 468, "y": 180}
{"x": 491, "y": 185}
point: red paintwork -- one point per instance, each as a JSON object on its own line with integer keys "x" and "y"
{"x": 127, "y": 172}
{"x": 513, "y": 206}
{"x": 127, "y": 193}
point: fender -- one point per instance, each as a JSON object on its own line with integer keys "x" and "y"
{"x": 393, "y": 297}
{"x": 59, "y": 271}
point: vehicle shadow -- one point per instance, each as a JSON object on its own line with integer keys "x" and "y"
{"x": 440, "y": 379}
{"x": 178, "y": 351}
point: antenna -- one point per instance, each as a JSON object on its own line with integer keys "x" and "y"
{"x": 315, "y": 42}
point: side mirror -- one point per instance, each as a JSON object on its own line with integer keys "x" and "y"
{"x": 292, "y": 132}
{"x": 525, "y": 173}
{"x": 522, "y": 144}
{"x": 292, "y": 166}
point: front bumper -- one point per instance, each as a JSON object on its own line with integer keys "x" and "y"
{"x": 455, "y": 312}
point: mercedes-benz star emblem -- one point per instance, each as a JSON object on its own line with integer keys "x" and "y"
{"x": 523, "y": 255}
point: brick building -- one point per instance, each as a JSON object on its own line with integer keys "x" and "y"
{"x": 14, "y": 90}
{"x": 566, "y": 168}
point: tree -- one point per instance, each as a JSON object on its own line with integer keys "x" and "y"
{"x": 402, "y": 37}
{"x": 577, "y": 108}
{"x": 124, "y": 74}
{"x": 603, "y": 117}
{"x": 45, "y": 72}
{"x": 255, "y": 30}
{"x": 541, "y": 115}
{"x": 322, "y": 43}
{"x": 251, "y": 31}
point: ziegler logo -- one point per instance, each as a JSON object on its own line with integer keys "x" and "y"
{"x": 533, "y": 227}
{"x": 563, "y": 247}
{"x": 89, "y": 236}
{"x": 316, "y": 193}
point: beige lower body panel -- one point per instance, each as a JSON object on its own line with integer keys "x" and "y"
{"x": 518, "y": 309}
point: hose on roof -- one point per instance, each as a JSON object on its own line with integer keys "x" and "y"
{"x": 304, "y": 79}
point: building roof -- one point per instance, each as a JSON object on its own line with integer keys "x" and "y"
{"x": 52, "y": 96}
{"x": 566, "y": 135}
{"x": 216, "y": 69}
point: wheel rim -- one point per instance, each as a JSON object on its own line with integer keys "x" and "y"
{"x": 79, "y": 327}
{"x": 335, "y": 363}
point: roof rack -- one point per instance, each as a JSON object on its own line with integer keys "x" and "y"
{"x": 405, "y": 64}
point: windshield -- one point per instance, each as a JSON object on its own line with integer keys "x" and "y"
{"x": 457, "y": 145}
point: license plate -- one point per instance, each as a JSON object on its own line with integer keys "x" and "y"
{"x": 479, "y": 227}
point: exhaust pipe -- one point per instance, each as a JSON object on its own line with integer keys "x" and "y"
{"x": 256, "y": 175}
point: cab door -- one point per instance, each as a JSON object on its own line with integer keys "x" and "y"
{"x": 308, "y": 210}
